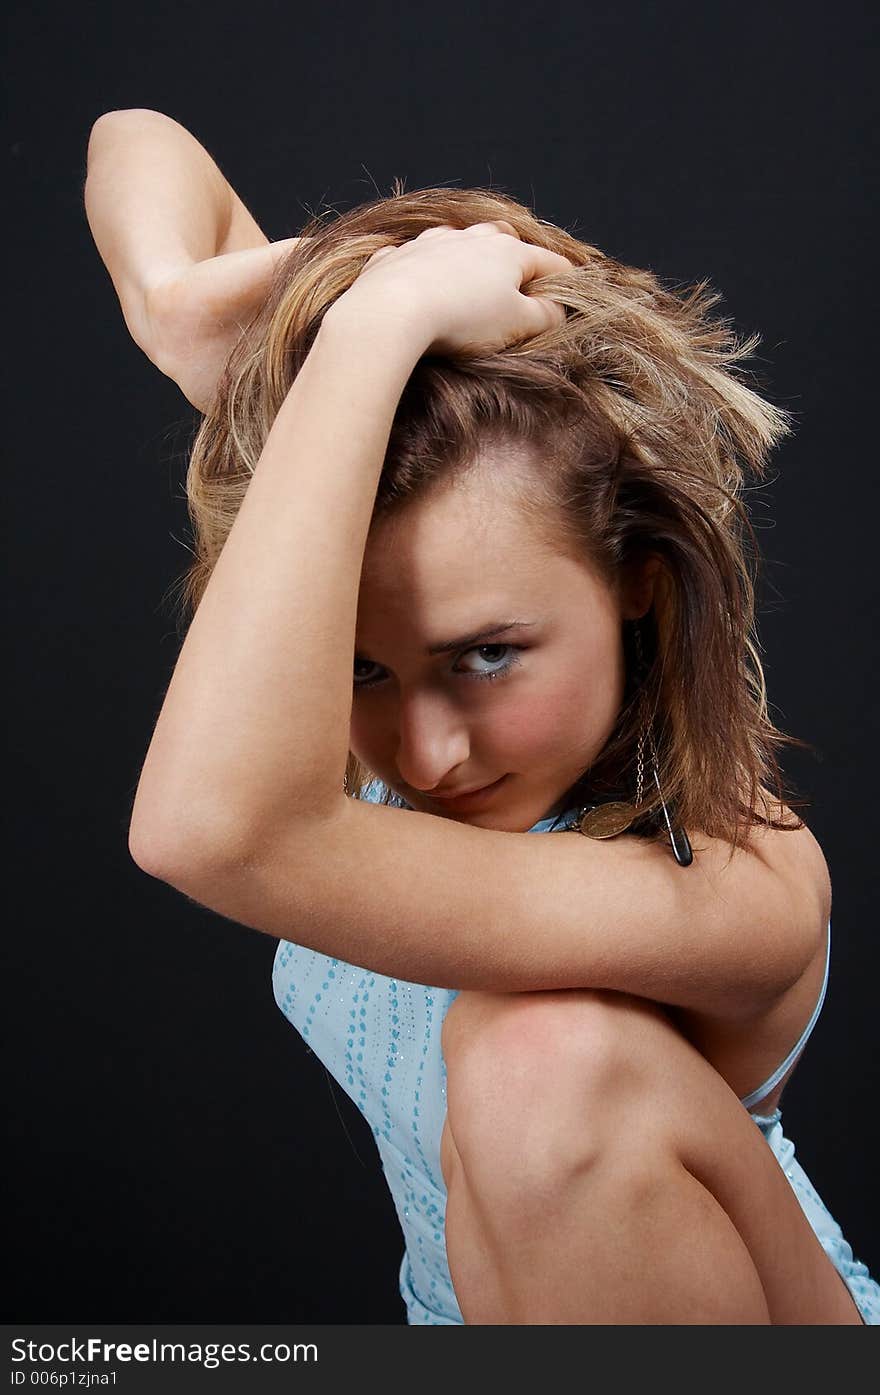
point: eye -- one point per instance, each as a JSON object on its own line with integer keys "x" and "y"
{"x": 496, "y": 669}
{"x": 359, "y": 681}
{"x": 499, "y": 672}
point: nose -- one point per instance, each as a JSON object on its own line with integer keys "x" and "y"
{"x": 433, "y": 740}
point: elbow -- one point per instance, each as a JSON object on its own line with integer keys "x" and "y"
{"x": 105, "y": 122}
{"x": 168, "y": 856}
{"x": 177, "y": 852}
{"x": 194, "y": 868}
{"x": 153, "y": 842}
{"x": 149, "y": 853}
{"x": 108, "y": 123}
{"x": 117, "y": 114}
{"x": 183, "y": 835}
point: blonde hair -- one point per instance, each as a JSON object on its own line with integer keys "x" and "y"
{"x": 647, "y": 427}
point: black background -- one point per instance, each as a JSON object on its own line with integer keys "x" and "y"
{"x": 176, "y": 1154}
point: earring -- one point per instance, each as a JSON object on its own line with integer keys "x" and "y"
{"x": 616, "y": 815}
{"x": 679, "y": 840}
{"x": 607, "y": 820}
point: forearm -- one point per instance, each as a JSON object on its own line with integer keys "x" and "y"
{"x": 155, "y": 202}
{"x": 255, "y": 723}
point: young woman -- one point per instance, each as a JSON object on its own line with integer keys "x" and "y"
{"x": 471, "y": 564}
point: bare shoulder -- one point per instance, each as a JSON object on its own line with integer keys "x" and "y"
{"x": 796, "y": 855}
{"x": 747, "y": 1050}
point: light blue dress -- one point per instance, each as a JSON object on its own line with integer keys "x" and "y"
{"x": 380, "y": 1038}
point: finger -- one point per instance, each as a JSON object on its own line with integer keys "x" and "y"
{"x": 499, "y": 225}
{"x": 540, "y": 261}
{"x": 269, "y": 252}
{"x": 541, "y": 314}
{"x": 284, "y": 244}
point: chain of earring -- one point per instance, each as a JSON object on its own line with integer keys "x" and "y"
{"x": 644, "y": 725}
{"x": 640, "y": 766}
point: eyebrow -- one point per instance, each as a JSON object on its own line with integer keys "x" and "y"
{"x": 447, "y": 646}
{"x": 500, "y": 627}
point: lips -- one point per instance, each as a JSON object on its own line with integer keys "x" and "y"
{"x": 458, "y": 794}
{"x": 468, "y": 797}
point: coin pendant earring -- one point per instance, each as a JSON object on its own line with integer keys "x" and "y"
{"x": 607, "y": 820}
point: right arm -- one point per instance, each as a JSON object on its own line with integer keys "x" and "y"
{"x": 189, "y": 263}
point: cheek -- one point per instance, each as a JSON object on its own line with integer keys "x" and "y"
{"x": 576, "y": 711}
{"x": 538, "y": 720}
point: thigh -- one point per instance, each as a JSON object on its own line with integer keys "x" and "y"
{"x": 626, "y": 1074}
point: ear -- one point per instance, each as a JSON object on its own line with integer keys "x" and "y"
{"x": 637, "y": 591}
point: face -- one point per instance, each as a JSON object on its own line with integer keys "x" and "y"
{"x": 529, "y": 706}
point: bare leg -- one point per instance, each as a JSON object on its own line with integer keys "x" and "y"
{"x": 609, "y": 1247}
{"x": 599, "y": 1171}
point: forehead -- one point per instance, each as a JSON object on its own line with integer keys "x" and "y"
{"x": 466, "y": 545}
{"x": 455, "y": 539}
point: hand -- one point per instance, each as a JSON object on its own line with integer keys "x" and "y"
{"x": 194, "y": 317}
{"x": 458, "y": 290}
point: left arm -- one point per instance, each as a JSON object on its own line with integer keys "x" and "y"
{"x": 240, "y": 802}
{"x": 188, "y": 261}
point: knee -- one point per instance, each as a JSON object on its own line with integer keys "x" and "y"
{"x": 537, "y": 1082}
{"x": 493, "y": 1042}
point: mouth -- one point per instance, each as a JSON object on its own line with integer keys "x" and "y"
{"x": 472, "y": 800}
